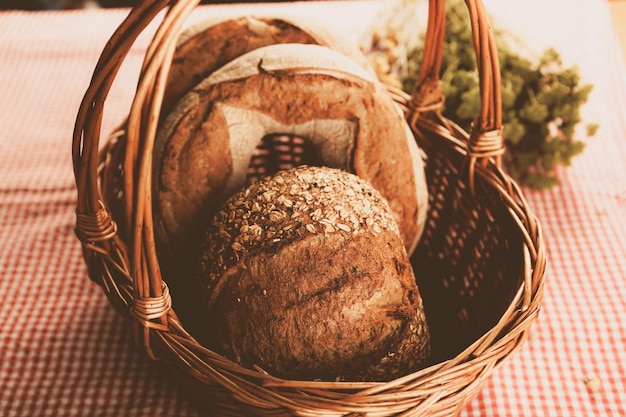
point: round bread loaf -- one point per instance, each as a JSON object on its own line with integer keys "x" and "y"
{"x": 204, "y": 47}
{"x": 304, "y": 274}
{"x": 346, "y": 118}
{"x": 209, "y": 44}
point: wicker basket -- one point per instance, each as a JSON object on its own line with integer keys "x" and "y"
{"x": 482, "y": 244}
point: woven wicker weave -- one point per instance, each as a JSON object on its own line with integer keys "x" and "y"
{"x": 482, "y": 245}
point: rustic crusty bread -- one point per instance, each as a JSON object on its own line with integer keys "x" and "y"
{"x": 206, "y": 46}
{"x": 209, "y": 44}
{"x": 204, "y": 147}
{"x": 304, "y": 274}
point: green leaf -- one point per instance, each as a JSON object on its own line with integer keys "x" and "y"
{"x": 534, "y": 112}
{"x": 592, "y": 129}
{"x": 513, "y": 131}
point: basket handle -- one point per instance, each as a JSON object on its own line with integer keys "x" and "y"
{"x": 485, "y": 138}
{"x": 142, "y": 291}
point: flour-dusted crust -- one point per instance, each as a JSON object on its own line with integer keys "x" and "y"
{"x": 205, "y": 145}
{"x": 206, "y": 46}
{"x": 304, "y": 274}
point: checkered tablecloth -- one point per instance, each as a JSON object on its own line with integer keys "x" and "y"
{"x": 65, "y": 352}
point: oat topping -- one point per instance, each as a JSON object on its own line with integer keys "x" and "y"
{"x": 290, "y": 205}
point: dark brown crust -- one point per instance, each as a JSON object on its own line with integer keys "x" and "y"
{"x": 313, "y": 302}
{"x": 302, "y": 297}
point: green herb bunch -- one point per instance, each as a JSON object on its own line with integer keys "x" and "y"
{"x": 541, "y": 100}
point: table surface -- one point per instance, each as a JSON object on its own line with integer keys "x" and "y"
{"x": 65, "y": 352}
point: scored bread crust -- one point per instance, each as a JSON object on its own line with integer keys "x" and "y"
{"x": 206, "y": 46}
{"x": 283, "y": 89}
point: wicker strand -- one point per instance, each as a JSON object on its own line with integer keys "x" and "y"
{"x": 150, "y": 313}
{"x": 426, "y": 99}
{"x": 95, "y": 227}
{"x": 485, "y": 144}
{"x": 148, "y": 309}
{"x": 480, "y": 147}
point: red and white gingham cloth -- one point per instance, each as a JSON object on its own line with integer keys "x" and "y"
{"x": 65, "y": 352}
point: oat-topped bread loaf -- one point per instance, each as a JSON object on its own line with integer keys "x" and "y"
{"x": 304, "y": 273}
{"x": 345, "y": 117}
